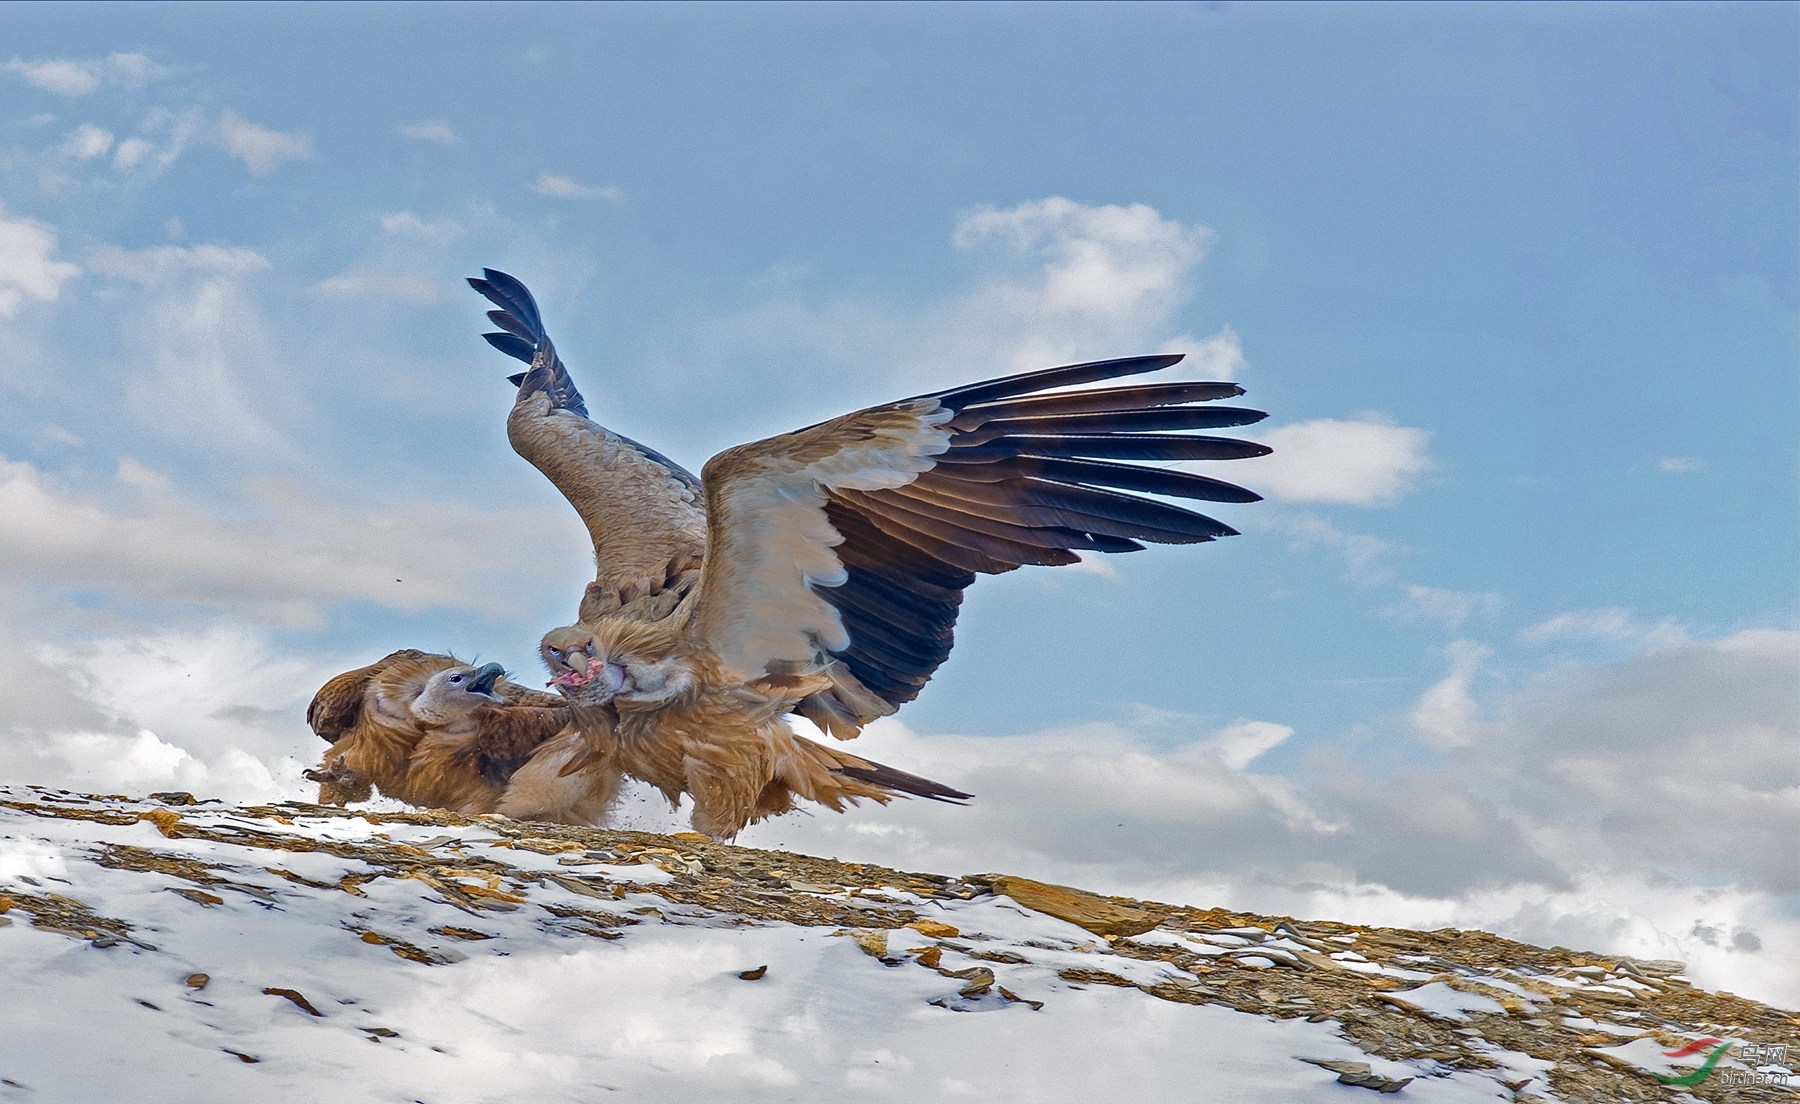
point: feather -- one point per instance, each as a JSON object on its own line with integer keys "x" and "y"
{"x": 1071, "y": 375}
{"x": 1137, "y": 446}
{"x": 1100, "y": 473}
{"x": 1093, "y": 400}
{"x": 902, "y": 782}
{"x": 512, "y": 347}
{"x": 510, "y": 295}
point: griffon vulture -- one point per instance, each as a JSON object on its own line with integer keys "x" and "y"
{"x": 828, "y": 565}
{"x": 430, "y": 730}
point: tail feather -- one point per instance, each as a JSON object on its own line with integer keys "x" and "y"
{"x": 889, "y": 778}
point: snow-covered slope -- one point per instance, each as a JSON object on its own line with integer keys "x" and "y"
{"x": 160, "y": 950}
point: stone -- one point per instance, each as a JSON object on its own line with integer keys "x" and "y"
{"x": 1360, "y": 1075}
{"x": 1077, "y": 906}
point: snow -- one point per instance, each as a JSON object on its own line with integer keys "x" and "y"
{"x": 1441, "y": 1000}
{"x": 546, "y": 1010}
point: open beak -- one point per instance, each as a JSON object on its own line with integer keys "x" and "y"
{"x": 483, "y": 682}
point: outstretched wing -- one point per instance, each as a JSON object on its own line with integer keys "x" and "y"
{"x": 642, "y": 510}
{"x": 336, "y": 707}
{"x": 858, "y": 536}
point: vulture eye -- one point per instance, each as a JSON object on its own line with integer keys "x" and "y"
{"x": 555, "y": 651}
{"x": 454, "y": 679}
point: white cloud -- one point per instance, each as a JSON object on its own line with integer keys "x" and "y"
{"x": 284, "y": 562}
{"x": 1608, "y": 625}
{"x": 1677, "y": 763}
{"x": 409, "y": 223}
{"x": 1217, "y": 356}
{"x": 1238, "y": 745}
{"x": 211, "y": 710}
{"x": 381, "y": 285}
{"x": 1053, "y": 282}
{"x": 206, "y": 372}
{"x": 1365, "y": 462}
{"x": 406, "y": 261}
{"x": 1102, "y": 807}
{"x": 431, "y": 130}
{"x": 133, "y": 152}
{"x": 159, "y": 265}
{"x": 28, "y": 264}
{"x": 1105, "y": 260}
{"x": 1363, "y": 556}
{"x": 1646, "y": 807}
{"x": 132, "y": 70}
{"x": 261, "y": 149}
{"x": 1680, "y": 464}
{"x": 1446, "y": 716}
{"x": 87, "y": 142}
{"x": 67, "y": 77}
{"x": 166, "y": 136}
{"x": 1452, "y": 607}
{"x": 563, "y": 187}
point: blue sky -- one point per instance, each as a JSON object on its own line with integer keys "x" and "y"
{"x": 1516, "y": 283}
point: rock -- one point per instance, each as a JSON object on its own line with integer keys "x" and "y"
{"x": 299, "y": 1001}
{"x": 1360, "y": 1075}
{"x": 198, "y": 896}
{"x": 873, "y": 941}
{"x": 1008, "y": 994}
{"x": 934, "y": 929}
{"x": 1077, "y": 906}
{"x": 979, "y": 980}
{"x": 755, "y": 975}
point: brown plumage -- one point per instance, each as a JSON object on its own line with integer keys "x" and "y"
{"x": 676, "y": 722}
{"x": 834, "y": 558}
{"x": 430, "y": 730}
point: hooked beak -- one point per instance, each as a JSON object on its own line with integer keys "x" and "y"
{"x": 483, "y": 682}
{"x": 579, "y": 661}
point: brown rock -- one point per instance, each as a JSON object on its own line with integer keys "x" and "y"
{"x": 934, "y": 929}
{"x": 1077, "y": 906}
{"x": 295, "y": 997}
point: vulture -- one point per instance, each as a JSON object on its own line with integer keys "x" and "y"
{"x": 820, "y": 572}
{"x": 431, "y": 730}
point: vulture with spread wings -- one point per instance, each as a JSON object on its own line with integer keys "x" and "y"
{"x": 820, "y": 572}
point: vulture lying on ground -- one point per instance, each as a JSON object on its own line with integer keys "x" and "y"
{"x": 431, "y": 730}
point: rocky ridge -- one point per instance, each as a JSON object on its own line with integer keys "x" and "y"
{"x": 1544, "y": 1024}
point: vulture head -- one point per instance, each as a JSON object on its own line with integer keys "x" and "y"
{"x": 625, "y": 663}
{"x": 456, "y": 692}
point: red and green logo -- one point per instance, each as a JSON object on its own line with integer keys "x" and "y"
{"x": 1719, "y": 1047}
